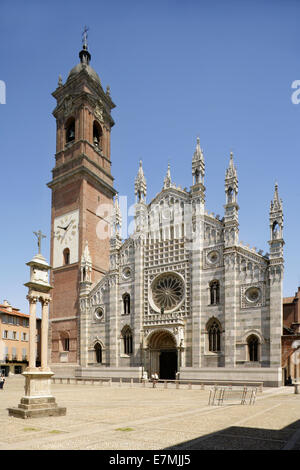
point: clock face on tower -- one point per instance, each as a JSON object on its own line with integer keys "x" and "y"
{"x": 65, "y": 239}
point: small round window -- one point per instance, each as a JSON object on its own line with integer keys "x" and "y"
{"x": 99, "y": 313}
{"x": 252, "y": 294}
{"x": 126, "y": 273}
{"x": 213, "y": 257}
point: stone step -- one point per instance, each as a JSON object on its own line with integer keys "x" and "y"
{"x": 37, "y": 413}
{"x": 37, "y": 406}
{"x": 37, "y": 400}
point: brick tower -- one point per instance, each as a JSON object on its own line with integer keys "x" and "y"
{"x": 82, "y": 194}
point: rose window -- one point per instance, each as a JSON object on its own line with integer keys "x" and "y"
{"x": 167, "y": 291}
{"x": 252, "y": 294}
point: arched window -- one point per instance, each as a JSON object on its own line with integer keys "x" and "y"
{"x": 70, "y": 130}
{"x": 253, "y": 343}
{"x": 126, "y": 304}
{"x": 98, "y": 352}
{"x": 66, "y": 256}
{"x": 214, "y": 287}
{"x": 127, "y": 340}
{"x": 214, "y": 336}
{"x": 65, "y": 341}
{"x": 97, "y": 135}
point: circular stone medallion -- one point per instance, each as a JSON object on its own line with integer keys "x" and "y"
{"x": 167, "y": 291}
{"x": 253, "y": 294}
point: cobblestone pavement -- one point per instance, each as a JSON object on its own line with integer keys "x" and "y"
{"x": 132, "y": 417}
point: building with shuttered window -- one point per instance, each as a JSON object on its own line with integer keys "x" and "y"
{"x": 14, "y": 334}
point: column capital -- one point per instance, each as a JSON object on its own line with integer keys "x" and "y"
{"x": 45, "y": 302}
{"x": 33, "y": 299}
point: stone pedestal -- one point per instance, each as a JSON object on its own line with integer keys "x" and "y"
{"x": 38, "y": 401}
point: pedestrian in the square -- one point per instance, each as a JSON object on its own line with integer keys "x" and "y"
{"x": 2, "y": 381}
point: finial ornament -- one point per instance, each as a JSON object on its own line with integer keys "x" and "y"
{"x": 60, "y": 80}
{"x": 39, "y": 236}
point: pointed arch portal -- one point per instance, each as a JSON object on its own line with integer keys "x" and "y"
{"x": 163, "y": 355}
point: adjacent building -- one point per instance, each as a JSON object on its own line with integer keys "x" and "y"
{"x": 14, "y": 334}
{"x": 291, "y": 337}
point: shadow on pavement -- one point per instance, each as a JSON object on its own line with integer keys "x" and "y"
{"x": 243, "y": 438}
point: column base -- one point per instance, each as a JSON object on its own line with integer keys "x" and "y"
{"x": 38, "y": 400}
{"x": 37, "y": 408}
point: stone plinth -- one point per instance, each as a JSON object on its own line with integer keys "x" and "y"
{"x": 38, "y": 400}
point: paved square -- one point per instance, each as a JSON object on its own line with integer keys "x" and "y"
{"x": 125, "y": 418}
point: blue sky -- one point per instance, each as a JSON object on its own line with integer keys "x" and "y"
{"x": 220, "y": 70}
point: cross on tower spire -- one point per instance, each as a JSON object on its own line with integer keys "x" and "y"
{"x": 84, "y": 54}
{"x": 84, "y": 38}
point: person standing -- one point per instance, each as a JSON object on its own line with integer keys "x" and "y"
{"x": 2, "y": 381}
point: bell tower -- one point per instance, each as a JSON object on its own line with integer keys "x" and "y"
{"x": 82, "y": 198}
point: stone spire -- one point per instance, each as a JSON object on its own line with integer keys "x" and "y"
{"x": 167, "y": 180}
{"x": 231, "y": 182}
{"x": 86, "y": 257}
{"x": 276, "y": 203}
{"x": 140, "y": 186}
{"x": 231, "y": 170}
{"x": 198, "y": 165}
{"x": 276, "y": 226}
{"x": 116, "y": 218}
{"x": 86, "y": 265}
{"x": 198, "y": 172}
{"x": 231, "y": 221}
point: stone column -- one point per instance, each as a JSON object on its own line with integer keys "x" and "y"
{"x": 138, "y": 301}
{"x": 38, "y": 400}
{"x": 32, "y": 331}
{"x": 114, "y": 327}
{"x": 230, "y": 306}
{"x": 276, "y": 279}
{"x": 197, "y": 300}
{"x": 44, "y": 334}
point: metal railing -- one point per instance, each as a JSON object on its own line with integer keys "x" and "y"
{"x": 242, "y": 395}
{"x": 156, "y": 382}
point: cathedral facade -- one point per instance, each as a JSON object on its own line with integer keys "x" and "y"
{"x": 181, "y": 296}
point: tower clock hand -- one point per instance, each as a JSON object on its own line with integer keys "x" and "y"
{"x": 64, "y": 228}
